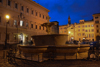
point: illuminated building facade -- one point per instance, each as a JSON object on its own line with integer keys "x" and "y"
{"x": 85, "y": 30}
{"x": 26, "y": 17}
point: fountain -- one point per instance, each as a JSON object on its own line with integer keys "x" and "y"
{"x": 55, "y": 43}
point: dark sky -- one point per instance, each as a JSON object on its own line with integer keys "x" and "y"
{"x": 76, "y": 9}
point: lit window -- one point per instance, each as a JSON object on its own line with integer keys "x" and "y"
{"x": 16, "y": 5}
{"x": 92, "y": 25}
{"x": 15, "y": 22}
{"x": 9, "y": 2}
{"x": 21, "y": 23}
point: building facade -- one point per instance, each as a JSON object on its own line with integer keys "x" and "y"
{"x": 26, "y": 17}
{"x": 85, "y": 30}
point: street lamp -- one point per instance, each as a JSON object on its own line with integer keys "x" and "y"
{"x": 7, "y": 17}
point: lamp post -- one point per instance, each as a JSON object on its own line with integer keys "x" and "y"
{"x": 7, "y": 17}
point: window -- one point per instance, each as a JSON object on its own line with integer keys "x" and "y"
{"x": 92, "y": 35}
{"x": 40, "y": 15}
{"x": 89, "y": 35}
{"x": 36, "y": 27}
{"x": 85, "y": 25}
{"x": 97, "y": 26}
{"x": 0, "y": 18}
{"x": 43, "y": 16}
{"x": 89, "y": 30}
{"x": 22, "y": 8}
{"x": 96, "y": 21}
{"x": 15, "y": 22}
{"x": 26, "y": 24}
{"x": 43, "y": 28}
{"x": 78, "y": 29}
{"x": 96, "y": 17}
{"x": 36, "y": 13}
{"x": 92, "y": 30}
{"x": 92, "y": 25}
{"x": 27, "y": 10}
{"x": 21, "y": 23}
{"x": 97, "y": 31}
{"x": 16, "y": 5}
{"x": 40, "y": 27}
{"x": 32, "y": 11}
{"x": 88, "y": 25}
{"x": 65, "y": 27}
{"x": 0, "y": 36}
{"x": 9, "y": 2}
{"x": 46, "y": 18}
{"x": 82, "y": 29}
{"x": 86, "y": 30}
{"x": 83, "y": 34}
{"x": 78, "y": 26}
{"x": 0, "y": 0}
{"x": 79, "y": 34}
{"x": 31, "y": 25}
{"x": 86, "y": 35}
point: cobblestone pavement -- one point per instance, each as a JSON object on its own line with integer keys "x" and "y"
{"x": 60, "y": 63}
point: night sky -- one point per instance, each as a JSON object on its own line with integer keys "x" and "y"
{"x": 76, "y": 9}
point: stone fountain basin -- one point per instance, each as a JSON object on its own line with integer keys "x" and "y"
{"x": 50, "y": 39}
{"x": 55, "y": 49}
{"x": 71, "y": 51}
